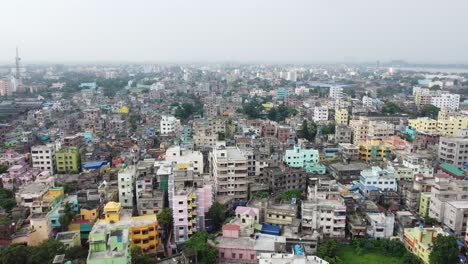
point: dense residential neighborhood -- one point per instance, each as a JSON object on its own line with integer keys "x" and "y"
{"x": 232, "y": 164}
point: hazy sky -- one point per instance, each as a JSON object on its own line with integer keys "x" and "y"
{"x": 234, "y": 30}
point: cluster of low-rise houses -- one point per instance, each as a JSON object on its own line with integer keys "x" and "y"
{"x": 116, "y": 163}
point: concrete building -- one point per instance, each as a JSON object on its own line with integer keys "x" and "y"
{"x": 445, "y": 190}
{"x": 380, "y": 225}
{"x": 336, "y": 92}
{"x": 229, "y": 171}
{"x": 377, "y": 178}
{"x": 205, "y": 131}
{"x": 451, "y": 101}
{"x": 282, "y": 178}
{"x": 374, "y": 150}
{"x": 126, "y": 183}
{"x": 109, "y": 244}
{"x": 304, "y": 158}
{"x": 424, "y": 203}
{"x": 341, "y": 116}
{"x": 453, "y": 151}
{"x": 68, "y": 160}
{"x": 423, "y": 124}
{"x": 69, "y": 238}
{"x": 320, "y": 113}
{"x": 43, "y": 157}
{"x": 451, "y": 123}
{"x": 456, "y": 217}
{"x": 169, "y": 124}
{"x": 418, "y": 240}
{"x": 343, "y": 134}
{"x": 180, "y": 155}
{"x": 282, "y": 93}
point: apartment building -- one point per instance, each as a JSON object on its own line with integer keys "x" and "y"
{"x": 43, "y": 157}
{"x": 364, "y": 129}
{"x": 456, "y": 217}
{"x": 374, "y": 150}
{"x": 336, "y": 92}
{"x": 68, "y": 160}
{"x": 169, "y": 124}
{"x": 304, "y": 158}
{"x": 283, "y": 178}
{"x": 126, "y": 183}
{"x": 453, "y": 151}
{"x": 451, "y": 123}
{"x": 320, "y": 113}
{"x": 423, "y": 124}
{"x": 380, "y": 225}
{"x": 180, "y": 155}
{"x": 451, "y": 101}
{"x": 445, "y": 190}
{"x": 377, "y": 178}
{"x": 229, "y": 171}
{"x": 341, "y": 116}
{"x": 343, "y": 133}
{"x": 327, "y": 217}
{"x": 419, "y": 240}
{"x": 205, "y": 131}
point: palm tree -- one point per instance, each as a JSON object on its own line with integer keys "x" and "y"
{"x": 66, "y": 217}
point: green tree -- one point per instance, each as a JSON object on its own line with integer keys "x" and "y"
{"x": 444, "y": 250}
{"x": 328, "y": 129}
{"x": 435, "y": 87}
{"x": 15, "y": 253}
{"x": 46, "y": 251}
{"x": 286, "y": 196}
{"x": 430, "y": 111}
{"x": 198, "y": 245}
{"x": 221, "y": 136}
{"x": 390, "y": 108}
{"x": 217, "y": 214}
{"x": 66, "y": 217}
{"x": 327, "y": 249}
{"x": 429, "y": 221}
{"x": 3, "y": 168}
{"x": 165, "y": 217}
{"x": 138, "y": 257}
{"x": 409, "y": 258}
{"x": 7, "y": 200}
{"x": 76, "y": 252}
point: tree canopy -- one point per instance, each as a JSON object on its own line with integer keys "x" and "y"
{"x": 281, "y": 112}
{"x": 198, "y": 245}
{"x": 217, "y": 214}
{"x": 444, "y": 250}
{"x": 308, "y": 131}
{"x": 165, "y": 217}
{"x": 286, "y": 196}
{"x": 390, "y": 108}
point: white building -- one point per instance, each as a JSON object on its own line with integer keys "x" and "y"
{"x": 456, "y": 217}
{"x": 229, "y": 171}
{"x": 169, "y": 124}
{"x": 292, "y": 76}
{"x": 366, "y": 101}
{"x": 380, "y": 225}
{"x": 126, "y": 182}
{"x": 320, "y": 113}
{"x": 43, "y": 157}
{"x": 376, "y": 177}
{"x": 179, "y": 155}
{"x": 336, "y": 92}
{"x": 451, "y": 101}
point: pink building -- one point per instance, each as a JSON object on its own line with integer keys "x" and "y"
{"x": 11, "y": 157}
{"x": 205, "y": 200}
{"x": 19, "y": 175}
{"x": 397, "y": 142}
{"x": 235, "y": 249}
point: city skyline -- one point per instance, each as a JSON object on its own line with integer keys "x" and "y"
{"x": 209, "y": 31}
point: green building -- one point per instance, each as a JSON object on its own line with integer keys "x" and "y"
{"x": 304, "y": 158}
{"x": 68, "y": 160}
{"x": 109, "y": 244}
{"x": 424, "y": 201}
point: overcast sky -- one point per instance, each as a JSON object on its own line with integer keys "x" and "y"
{"x": 235, "y": 30}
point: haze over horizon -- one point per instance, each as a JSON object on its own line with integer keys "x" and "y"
{"x": 301, "y": 31}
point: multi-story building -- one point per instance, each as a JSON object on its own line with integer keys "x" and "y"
{"x": 5, "y": 87}
{"x": 109, "y": 244}
{"x": 206, "y": 131}
{"x": 286, "y": 134}
{"x": 380, "y": 225}
{"x": 336, "y": 92}
{"x": 341, "y": 116}
{"x": 451, "y": 123}
{"x": 424, "y": 203}
{"x": 180, "y": 155}
{"x": 326, "y": 216}
{"x": 282, "y": 178}
{"x": 418, "y": 240}
{"x": 423, "y": 124}
{"x": 229, "y": 171}
{"x": 453, "y": 151}
{"x": 343, "y": 134}
{"x": 374, "y": 150}
{"x": 451, "y": 101}
{"x": 43, "y": 157}
{"x": 126, "y": 184}
{"x": 169, "y": 124}
{"x": 282, "y": 93}
{"x": 68, "y": 160}
{"x": 304, "y": 158}
{"x": 456, "y": 217}
{"x": 320, "y": 113}
{"x": 445, "y": 190}
{"x": 377, "y": 178}
{"x": 364, "y": 129}
{"x": 183, "y": 204}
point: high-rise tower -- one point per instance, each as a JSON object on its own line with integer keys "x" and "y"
{"x": 18, "y": 72}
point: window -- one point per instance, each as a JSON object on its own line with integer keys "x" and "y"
{"x": 240, "y": 256}
{"x": 233, "y": 255}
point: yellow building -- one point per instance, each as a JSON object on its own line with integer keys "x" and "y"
{"x": 112, "y": 211}
{"x": 123, "y": 110}
{"x": 424, "y": 201}
{"x": 449, "y": 124}
{"x": 375, "y": 150}
{"x": 89, "y": 214}
{"x": 267, "y": 106}
{"x": 144, "y": 233}
{"x": 423, "y": 124}
{"x": 341, "y": 116}
{"x": 419, "y": 240}
{"x": 53, "y": 195}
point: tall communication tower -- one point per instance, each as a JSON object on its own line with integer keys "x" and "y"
{"x": 18, "y": 70}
